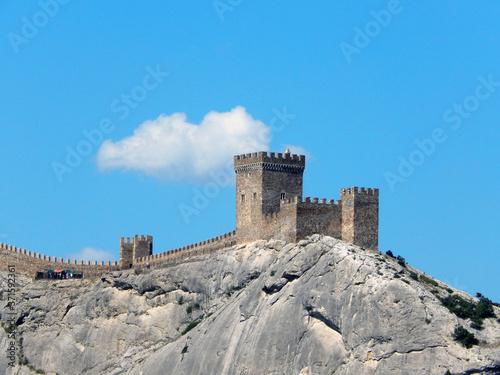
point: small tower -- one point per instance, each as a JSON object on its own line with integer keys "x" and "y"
{"x": 131, "y": 249}
{"x": 263, "y": 180}
{"x": 360, "y": 216}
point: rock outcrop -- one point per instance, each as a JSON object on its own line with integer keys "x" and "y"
{"x": 321, "y": 306}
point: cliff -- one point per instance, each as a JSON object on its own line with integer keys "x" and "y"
{"x": 321, "y": 306}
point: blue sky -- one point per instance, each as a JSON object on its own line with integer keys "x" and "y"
{"x": 117, "y": 115}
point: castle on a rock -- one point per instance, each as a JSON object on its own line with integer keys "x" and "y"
{"x": 269, "y": 204}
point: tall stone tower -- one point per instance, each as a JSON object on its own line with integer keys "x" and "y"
{"x": 133, "y": 248}
{"x": 263, "y": 180}
{"x": 360, "y": 216}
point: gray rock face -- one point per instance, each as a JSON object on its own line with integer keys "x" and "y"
{"x": 321, "y": 306}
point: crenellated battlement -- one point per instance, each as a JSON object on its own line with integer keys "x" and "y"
{"x": 308, "y": 201}
{"x": 124, "y": 240}
{"x": 359, "y": 191}
{"x": 53, "y": 259}
{"x": 30, "y": 262}
{"x": 199, "y": 248}
{"x": 136, "y": 238}
{"x": 272, "y": 157}
{"x": 286, "y": 162}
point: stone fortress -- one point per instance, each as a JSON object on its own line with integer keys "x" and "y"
{"x": 269, "y": 204}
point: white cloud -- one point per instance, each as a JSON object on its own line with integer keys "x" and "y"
{"x": 170, "y": 148}
{"x": 91, "y": 253}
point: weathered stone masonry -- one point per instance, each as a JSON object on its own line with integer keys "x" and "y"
{"x": 269, "y": 204}
{"x": 28, "y": 262}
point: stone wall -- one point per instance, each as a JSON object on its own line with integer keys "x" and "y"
{"x": 280, "y": 225}
{"x": 182, "y": 253}
{"x": 28, "y": 262}
{"x": 297, "y": 219}
{"x": 316, "y": 215}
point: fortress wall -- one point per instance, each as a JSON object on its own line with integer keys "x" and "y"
{"x": 280, "y": 225}
{"x": 316, "y": 215}
{"x": 209, "y": 246}
{"x": 28, "y": 262}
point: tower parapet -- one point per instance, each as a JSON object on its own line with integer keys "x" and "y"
{"x": 286, "y": 162}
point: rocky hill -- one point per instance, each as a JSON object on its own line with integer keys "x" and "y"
{"x": 321, "y": 306}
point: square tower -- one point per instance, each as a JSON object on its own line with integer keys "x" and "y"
{"x": 133, "y": 248}
{"x": 262, "y": 181}
{"x": 360, "y": 216}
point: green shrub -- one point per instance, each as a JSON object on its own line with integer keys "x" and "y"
{"x": 405, "y": 281}
{"x": 477, "y": 325}
{"x": 447, "y": 372}
{"x": 428, "y": 280}
{"x": 484, "y": 308}
{"x": 190, "y": 327}
{"x": 189, "y": 309}
{"x": 401, "y": 261}
{"x": 464, "y": 337}
{"x": 469, "y": 310}
{"x": 231, "y": 289}
{"x": 414, "y": 276}
{"x": 254, "y": 275}
{"x": 35, "y": 370}
{"x": 389, "y": 252}
{"x": 180, "y": 301}
{"x": 459, "y": 306}
{"x": 396, "y": 276}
